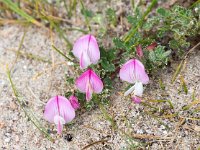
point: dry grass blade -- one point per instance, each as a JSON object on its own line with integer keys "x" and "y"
{"x": 27, "y": 112}
{"x": 13, "y": 6}
{"x": 12, "y": 21}
{"x": 96, "y": 142}
{"x": 178, "y": 70}
{"x": 153, "y": 137}
{"x": 180, "y": 66}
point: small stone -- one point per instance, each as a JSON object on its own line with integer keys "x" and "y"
{"x": 68, "y": 137}
{"x": 7, "y": 134}
{"x": 13, "y": 106}
{"x": 7, "y": 140}
{"x": 17, "y": 138}
{"x": 2, "y": 124}
{"x": 165, "y": 132}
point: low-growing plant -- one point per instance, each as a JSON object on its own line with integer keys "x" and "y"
{"x": 145, "y": 49}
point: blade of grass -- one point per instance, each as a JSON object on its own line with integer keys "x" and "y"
{"x": 178, "y": 69}
{"x": 13, "y": 6}
{"x": 163, "y": 101}
{"x": 161, "y": 84}
{"x": 61, "y": 53}
{"x": 184, "y": 86}
{"x": 194, "y": 4}
{"x": 32, "y": 118}
{"x": 140, "y": 23}
{"x": 18, "y": 50}
{"x": 107, "y": 116}
{"x": 61, "y": 33}
{"x": 86, "y": 18}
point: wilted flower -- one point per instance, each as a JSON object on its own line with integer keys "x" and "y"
{"x": 89, "y": 82}
{"x": 86, "y": 50}
{"x": 139, "y": 50}
{"x": 136, "y": 99}
{"x": 74, "y": 102}
{"x": 133, "y": 72}
{"x": 59, "y": 110}
{"x": 151, "y": 46}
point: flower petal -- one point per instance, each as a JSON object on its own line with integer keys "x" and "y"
{"x": 133, "y": 71}
{"x": 74, "y": 102}
{"x": 86, "y": 50}
{"x": 129, "y": 91}
{"x": 136, "y": 99}
{"x": 66, "y": 109}
{"x": 89, "y": 92}
{"x": 95, "y": 81}
{"x": 82, "y": 81}
{"x": 59, "y": 106}
{"x": 85, "y": 60}
{"x": 93, "y": 50}
{"x": 59, "y": 121}
{"x": 59, "y": 128}
{"x": 138, "y": 91}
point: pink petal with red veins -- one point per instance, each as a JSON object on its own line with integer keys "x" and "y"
{"x": 97, "y": 84}
{"x": 86, "y": 50}
{"x": 88, "y": 83}
{"x": 89, "y": 92}
{"x": 93, "y": 50}
{"x": 82, "y": 81}
{"x": 59, "y": 106}
{"x": 133, "y": 71}
{"x": 74, "y": 102}
{"x": 59, "y": 121}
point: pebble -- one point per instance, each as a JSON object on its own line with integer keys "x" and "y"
{"x": 2, "y": 124}
{"x": 17, "y": 138}
{"x": 7, "y": 140}
{"x": 13, "y": 106}
{"x": 7, "y": 134}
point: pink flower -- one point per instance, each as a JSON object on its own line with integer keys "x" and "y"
{"x": 59, "y": 110}
{"x": 74, "y": 102}
{"x": 86, "y": 50}
{"x": 89, "y": 83}
{"x": 133, "y": 72}
{"x": 136, "y": 99}
{"x": 139, "y": 50}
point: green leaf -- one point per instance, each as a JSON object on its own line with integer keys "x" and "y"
{"x": 107, "y": 66}
{"x": 119, "y": 43}
{"x": 87, "y": 13}
{"x": 163, "y": 12}
{"x": 111, "y": 16}
{"x": 166, "y": 54}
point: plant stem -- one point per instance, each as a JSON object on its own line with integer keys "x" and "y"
{"x": 86, "y": 18}
{"x": 140, "y": 23}
{"x": 34, "y": 120}
{"x": 61, "y": 53}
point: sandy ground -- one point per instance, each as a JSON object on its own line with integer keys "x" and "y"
{"x": 17, "y": 133}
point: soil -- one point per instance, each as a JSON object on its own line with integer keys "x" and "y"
{"x": 38, "y": 80}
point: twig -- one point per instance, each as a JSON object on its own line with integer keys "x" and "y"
{"x": 146, "y": 136}
{"x": 93, "y": 143}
